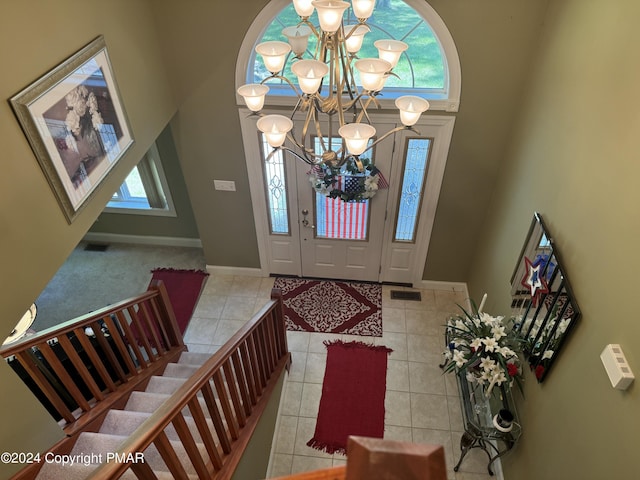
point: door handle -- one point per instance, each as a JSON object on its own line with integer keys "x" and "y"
{"x": 305, "y": 222}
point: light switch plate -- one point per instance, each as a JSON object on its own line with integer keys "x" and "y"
{"x": 226, "y": 185}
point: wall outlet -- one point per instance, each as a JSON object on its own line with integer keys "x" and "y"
{"x": 226, "y": 185}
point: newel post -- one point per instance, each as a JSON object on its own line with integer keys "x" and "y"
{"x": 281, "y": 329}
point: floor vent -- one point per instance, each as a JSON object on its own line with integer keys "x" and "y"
{"x": 403, "y": 295}
{"x": 96, "y": 247}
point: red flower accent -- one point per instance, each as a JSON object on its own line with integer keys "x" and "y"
{"x": 512, "y": 369}
{"x": 539, "y": 371}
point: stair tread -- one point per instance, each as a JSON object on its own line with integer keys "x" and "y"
{"x": 125, "y": 422}
{"x": 180, "y": 370}
{"x": 193, "y": 358}
{"x": 165, "y": 385}
{"x": 104, "y": 443}
{"x": 56, "y": 471}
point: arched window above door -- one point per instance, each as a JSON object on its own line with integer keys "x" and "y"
{"x": 430, "y": 68}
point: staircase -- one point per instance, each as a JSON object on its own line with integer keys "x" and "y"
{"x": 157, "y": 411}
{"x": 92, "y": 447}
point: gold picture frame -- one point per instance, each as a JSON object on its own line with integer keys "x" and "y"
{"x": 76, "y": 124}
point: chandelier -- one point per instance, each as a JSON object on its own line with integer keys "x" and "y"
{"x": 327, "y": 87}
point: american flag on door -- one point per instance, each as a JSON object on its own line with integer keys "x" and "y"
{"x": 346, "y": 220}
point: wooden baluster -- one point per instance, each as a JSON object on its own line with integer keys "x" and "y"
{"x": 216, "y": 418}
{"x": 264, "y": 350}
{"x": 167, "y": 317}
{"x": 80, "y": 366}
{"x": 271, "y": 337}
{"x": 256, "y": 362}
{"x": 242, "y": 381}
{"x": 64, "y": 377}
{"x": 151, "y": 328}
{"x": 143, "y": 471}
{"x": 186, "y": 437}
{"x": 95, "y": 359}
{"x": 276, "y": 295}
{"x": 205, "y": 433}
{"x": 249, "y": 372}
{"x": 130, "y": 339}
{"x": 170, "y": 457}
{"x": 159, "y": 321}
{"x": 232, "y": 386}
{"x": 108, "y": 352}
{"x": 232, "y": 424}
{"x": 142, "y": 337}
{"x": 120, "y": 346}
{"x": 28, "y": 361}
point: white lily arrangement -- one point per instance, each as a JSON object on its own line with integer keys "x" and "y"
{"x": 485, "y": 348}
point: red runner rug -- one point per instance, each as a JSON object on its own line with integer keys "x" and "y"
{"x": 353, "y": 390}
{"x": 184, "y": 288}
{"x": 332, "y": 307}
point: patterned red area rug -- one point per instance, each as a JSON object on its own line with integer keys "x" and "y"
{"x": 184, "y": 288}
{"x": 332, "y": 307}
{"x": 353, "y": 391}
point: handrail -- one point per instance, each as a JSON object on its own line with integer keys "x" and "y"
{"x": 77, "y": 365}
{"x": 233, "y": 387}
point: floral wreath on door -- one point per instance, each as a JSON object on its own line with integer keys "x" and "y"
{"x": 348, "y": 182}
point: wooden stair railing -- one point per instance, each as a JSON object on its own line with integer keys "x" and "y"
{"x": 233, "y": 388}
{"x": 82, "y": 368}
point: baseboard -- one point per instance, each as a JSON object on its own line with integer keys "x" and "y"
{"x": 143, "y": 240}
{"x": 438, "y": 285}
{"x": 244, "y": 271}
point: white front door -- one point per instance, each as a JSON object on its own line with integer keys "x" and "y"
{"x": 343, "y": 239}
{"x": 307, "y": 234}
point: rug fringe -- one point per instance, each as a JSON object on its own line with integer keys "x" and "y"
{"x": 180, "y": 270}
{"x": 329, "y": 448}
{"x": 357, "y": 344}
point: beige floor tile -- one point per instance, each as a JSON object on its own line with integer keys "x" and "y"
{"x": 429, "y": 411}
{"x": 239, "y": 308}
{"x": 397, "y": 407}
{"x": 210, "y": 306}
{"x": 302, "y": 463}
{"x": 397, "y": 375}
{"x": 396, "y": 341}
{"x": 298, "y": 341}
{"x": 437, "y": 437}
{"x": 292, "y": 398}
{"x": 310, "y": 400}
{"x": 315, "y": 367}
{"x": 426, "y": 378}
{"x": 316, "y": 341}
{"x": 280, "y": 465}
{"x": 226, "y": 329}
{"x": 286, "y": 434}
{"x": 298, "y": 366}
{"x": 398, "y": 434}
{"x": 306, "y": 429}
{"x": 393, "y": 320}
{"x": 201, "y": 330}
{"x": 246, "y": 286}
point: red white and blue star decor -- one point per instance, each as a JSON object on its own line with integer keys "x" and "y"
{"x": 533, "y": 279}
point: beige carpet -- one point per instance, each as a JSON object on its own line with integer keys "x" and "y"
{"x": 89, "y": 280}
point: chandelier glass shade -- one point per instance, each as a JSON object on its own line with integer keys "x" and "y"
{"x": 334, "y": 87}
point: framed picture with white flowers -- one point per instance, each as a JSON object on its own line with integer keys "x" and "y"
{"x": 76, "y": 125}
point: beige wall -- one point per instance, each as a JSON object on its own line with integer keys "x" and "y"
{"x": 574, "y": 159}
{"x": 35, "y": 238}
{"x": 495, "y": 39}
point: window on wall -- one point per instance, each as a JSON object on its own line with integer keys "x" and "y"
{"x": 145, "y": 190}
{"x": 429, "y": 68}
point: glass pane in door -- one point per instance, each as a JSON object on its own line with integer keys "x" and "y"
{"x": 276, "y": 188}
{"x": 413, "y": 180}
{"x": 336, "y": 219}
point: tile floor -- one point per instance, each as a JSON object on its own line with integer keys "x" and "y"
{"x": 422, "y": 405}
